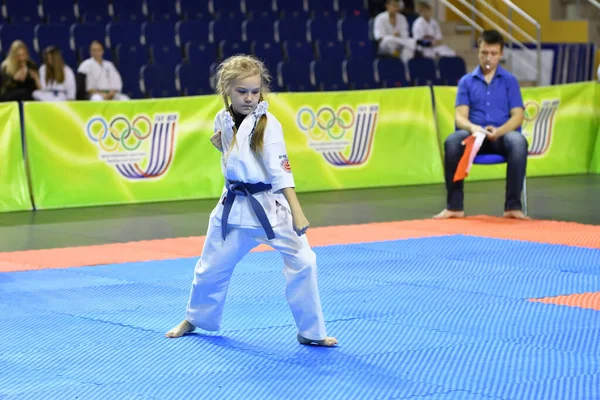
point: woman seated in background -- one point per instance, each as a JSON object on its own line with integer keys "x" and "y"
{"x": 57, "y": 79}
{"x": 19, "y": 74}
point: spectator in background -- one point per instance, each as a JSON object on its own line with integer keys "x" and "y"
{"x": 19, "y": 74}
{"x": 102, "y": 80}
{"x": 390, "y": 29}
{"x": 488, "y": 101}
{"x": 427, "y": 29}
{"x": 57, "y": 79}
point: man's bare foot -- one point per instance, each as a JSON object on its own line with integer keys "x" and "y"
{"x": 515, "y": 214}
{"x": 181, "y": 329}
{"x": 327, "y": 342}
{"x": 447, "y": 214}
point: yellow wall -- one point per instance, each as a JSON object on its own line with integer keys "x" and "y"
{"x": 552, "y": 31}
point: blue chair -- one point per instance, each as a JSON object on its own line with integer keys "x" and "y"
{"x": 493, "y": 159}
{"x": 161, "y": 33}
{"x": 451, "y": 69}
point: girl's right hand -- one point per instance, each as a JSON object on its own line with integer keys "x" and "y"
{"x": 216, "y": 141}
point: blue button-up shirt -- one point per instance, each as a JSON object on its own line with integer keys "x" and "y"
{"x": 489, "y": 104}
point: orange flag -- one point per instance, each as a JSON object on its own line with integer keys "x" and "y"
{"x": 472, "y": 146}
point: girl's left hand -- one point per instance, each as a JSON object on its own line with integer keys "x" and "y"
{"x": 300, "y": 224}
{"x": 216, "y": 141}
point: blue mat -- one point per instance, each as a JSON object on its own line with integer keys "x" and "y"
{"x": 431, "y": 318}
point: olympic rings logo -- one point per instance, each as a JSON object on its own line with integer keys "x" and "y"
{"x": 326, "y": 122}
{"x": 119, "y": 131}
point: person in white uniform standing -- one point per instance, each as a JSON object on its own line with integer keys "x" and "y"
{"x": 390, "y": 29}
{"x": 425, "y": 28}
{"x": 258, "y": 205}
{"x": 103, "y": 81}
{"x": 57, "y": 80}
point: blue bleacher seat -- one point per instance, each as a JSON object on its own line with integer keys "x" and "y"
{"x": 23, "y": 11}
{"x": 196, "y": 30}
{"x": 359, "y": 74}
{"x": 221, "y": 8}
{"x": 361, "y": 49}
{"x": 161, "y": 10}
{"x": 129, "y": 59}
{"x": 167, "y": 55}
{"x": 97, "y": 18}
{"x": 11, "y": 32}
{"x": 290, "y": 29}
{"x": 158, "y": 81}
{"x": 327, "y": 76}
{"x": 82, "y": 35}
{"x": 322, "y": 28}
{"x": 193, "y": 9}
{"x": 329, "y": 50}
{"x": 292, "y": 8}
{"x": 390, "y": 72}
{"x": 193, "y": 80}
{"x": 322, "y": 7}
{"x": 451, "y": 69}
{"x": 59, "y": 11}
{"x": 228, "y": 48}
{"x": 258, "y": 29}
{"x": 294, "y": 76}
{"x": 225, "y": 29}
{"x": 354, "y": 28}
{"x": 200, "y": 53}
{"x": 422, "y": 71}
{"x": 92, "y": 7}
{"x": 52, "y": 34}
{"x": 127, "y": 33}
{"x": 352, "y": 7}
{"x": 259, "y": 8}
{"x": 298, "y": 51}
{"x": 127, "y": 7}
{"x": 131, "y": 84}
{"x": 270, "y": 53}
{"x": 160, "y": 32}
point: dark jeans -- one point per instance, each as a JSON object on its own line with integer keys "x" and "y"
{"x": 513, "y": 146}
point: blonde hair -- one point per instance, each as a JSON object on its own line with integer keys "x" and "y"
{"x": 56, "y": 71}
{"x": 10, "y": 65}
{"x": 241, "y": 67}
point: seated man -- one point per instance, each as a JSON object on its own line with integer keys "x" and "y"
{"x": 425, "y": 28}
{"x": 488, "y": 100}
{"x": 390, "y": 29}
{"x": 103, "y": 81}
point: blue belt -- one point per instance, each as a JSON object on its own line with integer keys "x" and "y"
{"x": 246, "y": 189}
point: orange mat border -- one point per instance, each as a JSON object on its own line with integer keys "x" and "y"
{"x": 551, "y": 232}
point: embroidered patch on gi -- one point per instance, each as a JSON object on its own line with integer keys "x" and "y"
{"x": 285, "y": 163}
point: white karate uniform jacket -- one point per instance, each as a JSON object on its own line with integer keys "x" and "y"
{"x": 241, "y": 164}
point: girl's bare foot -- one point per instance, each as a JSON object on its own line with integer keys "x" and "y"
{"x": 327, "y": 342}
{"x": 181, "y": 329}
{"x": 446, "y": 214}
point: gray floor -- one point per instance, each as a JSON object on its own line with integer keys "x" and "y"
{"x": 568, "y": 198}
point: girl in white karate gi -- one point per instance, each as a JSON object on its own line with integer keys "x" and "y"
{"x": 56, "y": 78}
{"x": 258, "y": 205}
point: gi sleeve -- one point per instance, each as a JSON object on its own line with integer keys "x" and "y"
{"x": 378, "y": 28}
{"x": 275, "y": 157}
{"x": 70, "y": 84}
{"x": 417, "y": 29}
{"x": 115, "y": 79}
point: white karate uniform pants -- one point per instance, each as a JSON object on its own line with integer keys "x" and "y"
{"x": 118, "y": 96}
{"x": 42, "y": 95}
{"x": 439, "y": 51}
{"x": 406, "y": 46}
{"x": 215, "y": 267}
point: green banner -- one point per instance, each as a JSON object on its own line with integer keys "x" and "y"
{"x": 92, "y": 153}
{"x": 595, "y": 164}
{"x": 96, "y": 153}
{"x": 359, "y": 139}
{"x": 560, "y": 126}
{"x": 14, "y": 190}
